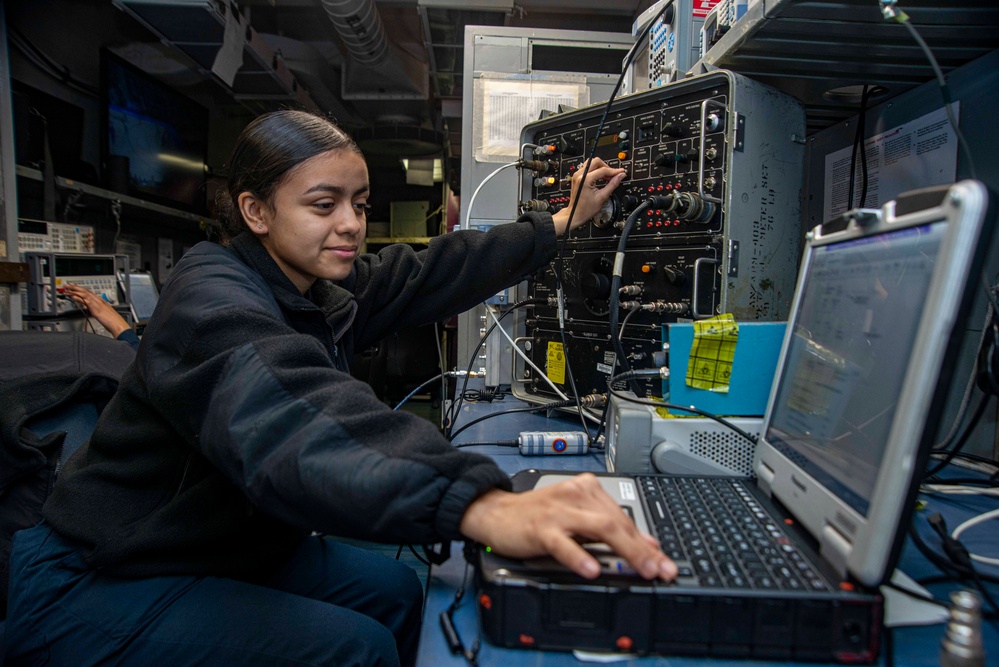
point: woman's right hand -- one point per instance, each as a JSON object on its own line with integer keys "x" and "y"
{"x": 588, "y": 197}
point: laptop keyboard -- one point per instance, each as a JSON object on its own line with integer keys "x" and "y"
{"x": 718, "y": 535}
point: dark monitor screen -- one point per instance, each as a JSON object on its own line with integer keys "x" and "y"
{"x": 162, "y": 134}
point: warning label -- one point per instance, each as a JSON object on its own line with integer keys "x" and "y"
{"x": 556, "y": 362}
{"x": 702, "y": 7}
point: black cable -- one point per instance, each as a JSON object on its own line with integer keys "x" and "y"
{"x": 615, "y": 291}
{"x": 86, "y": 315}
{"x": 601, "y": 424}
{"x": 915, "y": 595}
{"x": 451, "y": 636}
{"x": 563, "y": 241}
{"x": 889, "y": 645}
{"x": 685, "y": 408}
{"x": 987, "y": 326}
{"x": 418, "y": 556}
{"x": 955, "y": 450}
{"x": 862, "y": 128}
{"x": 418, "y": 388}
{"x": 498, "y": 443}
{"x": 484, "y": 395}
{"x": 902, "y": 18}
{"x": 959, "y": 557}
{"x": 532, "y": 408}
{"x": 946, "y": 566}
{"x": 851, "y": 186}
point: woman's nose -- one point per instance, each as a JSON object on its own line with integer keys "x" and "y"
{"x": 349, "y": 222}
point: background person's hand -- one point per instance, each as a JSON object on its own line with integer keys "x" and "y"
{"x": 549, "y": 521}
{"x": 97, "y": 307}
{"x": 591, "y": 198}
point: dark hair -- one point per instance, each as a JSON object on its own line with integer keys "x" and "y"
{"x": 267, "y": 149}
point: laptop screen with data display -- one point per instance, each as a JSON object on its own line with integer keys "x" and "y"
{"x": 143, "y": 294}
{"x": 846, "y": 361}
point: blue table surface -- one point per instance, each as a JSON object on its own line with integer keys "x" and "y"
{"x": 913, "y": 645}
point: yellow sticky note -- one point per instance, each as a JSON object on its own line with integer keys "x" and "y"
{"x": 709, "y": 366}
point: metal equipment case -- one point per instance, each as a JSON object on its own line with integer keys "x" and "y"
{"x": 732, "y": 150}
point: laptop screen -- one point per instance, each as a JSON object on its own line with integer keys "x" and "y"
{"x": 144, "y": 295}
{"x": 854, "y": 332}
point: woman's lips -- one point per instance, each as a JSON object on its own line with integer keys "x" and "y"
{"x": 347, "y": 251}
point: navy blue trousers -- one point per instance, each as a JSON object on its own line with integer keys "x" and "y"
{"x": 330, "y": 604}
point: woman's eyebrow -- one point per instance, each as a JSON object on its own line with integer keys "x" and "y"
{"x": 335, "y": 189}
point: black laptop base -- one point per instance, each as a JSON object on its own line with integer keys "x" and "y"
{"x": 519, "y": 609}
{"x": 539, "y": 604}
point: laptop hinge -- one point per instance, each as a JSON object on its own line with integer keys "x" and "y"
{"x": 835, "y": 548}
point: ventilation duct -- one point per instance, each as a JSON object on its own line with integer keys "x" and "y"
{"x": 375, "y": 69}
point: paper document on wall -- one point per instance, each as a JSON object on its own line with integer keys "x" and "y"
{"x": 505, "y": 103}
{"x": 917, "y": 154}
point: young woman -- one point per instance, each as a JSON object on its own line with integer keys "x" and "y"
{"x": 182, "y": 533}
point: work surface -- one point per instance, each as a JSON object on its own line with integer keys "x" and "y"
{"x": 911, "y": 645}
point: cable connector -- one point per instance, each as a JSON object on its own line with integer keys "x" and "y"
{"x": 891, "y": 12}
{"x": 662, "y": 372}
{"x": 537, "y": 166}
{"x": 665, "y": 203}
{"x": 631, "y": 290}
{"x": 534, "y": 205}
{"x": 670, "y": 307}
{"x": 461, "y": 374}
{"x": 593, "y": 401}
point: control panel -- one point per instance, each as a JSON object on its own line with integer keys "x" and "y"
{"x": 709, "y": 210}
{"x": 38, "y": 235}
{"x": 105, "y": 275}
{"x": 672, "y": 47}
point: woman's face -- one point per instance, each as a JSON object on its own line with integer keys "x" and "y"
{"x": 315, "y": 222}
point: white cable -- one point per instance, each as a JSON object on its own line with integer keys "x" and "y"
{"x": 974, "y": 521}
{"x": 471, "y": 202}
{"x": 960, "y": 490}
{"x": 532, "y": 365}
{"x": 525, "y": 357}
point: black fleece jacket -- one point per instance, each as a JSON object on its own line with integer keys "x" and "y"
{"x": 238, "y": 429}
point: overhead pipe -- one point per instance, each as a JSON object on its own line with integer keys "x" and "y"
{"x": 374, "y": 69}
{"x": 360, "y": 27}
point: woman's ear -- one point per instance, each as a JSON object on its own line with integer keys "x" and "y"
{"x": 254, "y": 212}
